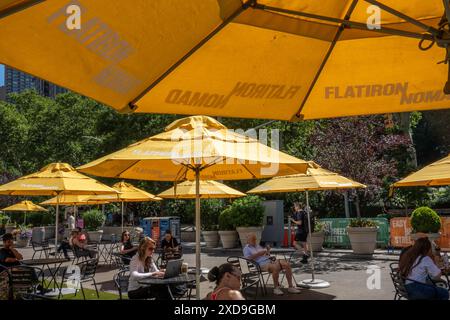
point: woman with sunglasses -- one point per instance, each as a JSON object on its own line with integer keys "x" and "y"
{"x": 142, "y": 266}
{"x": 228, "y": 280}
{"x": 127, "y": 250}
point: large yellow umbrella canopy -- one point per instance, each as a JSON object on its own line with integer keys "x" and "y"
{"x": 435, "y": 174}
{"x": 199, "y": 57}
{"x": 196, "y": 148}
{"x": 25, "y": 206}
{"x": 315, "y": 179}
{"x": 75, "y": 200}
{"x": 127, "y": 193}
{"x": 208, "y": 189}
{"x": 53, "y": 180}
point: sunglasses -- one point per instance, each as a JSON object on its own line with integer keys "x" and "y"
{"x": 151, "y": 248}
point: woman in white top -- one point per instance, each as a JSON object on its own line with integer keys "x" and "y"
{"x": 142, "y": 266}
{"x": 418, "y": 268}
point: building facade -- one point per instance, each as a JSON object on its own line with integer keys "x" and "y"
{"x": 17, "y": 81}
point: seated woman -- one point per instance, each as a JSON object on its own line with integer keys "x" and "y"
{"x": 170, "y": 246}
{"x": 142, "y": 266}
{"x": 228, "y": 283}
{"x": 418, "y": 268}
{"x": 79, "y": 241}
{"x": 127, "y": 250}
{"x": 66, "y": 245}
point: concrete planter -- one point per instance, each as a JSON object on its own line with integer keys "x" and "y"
{"x": 317, "y": 239}
{"x": 188, "y": 234}
{"x": 9, "y": 228}
{"x": 228, "y": 238}
{"x": 95, "y": 236}
{"x": 244, "y": 231}
{"x": 211, "y": 238}
{"x": 363, "y": 240}
{"x": 22, "y": 243}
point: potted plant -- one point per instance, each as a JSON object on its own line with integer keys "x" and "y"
{"x": 363, "y": 235}
{"x": 209, "y": 219}
{"x": 93, "y": 220}
{"x": 23, "y": 236}
{"x": 227, "y": 230}
{"x": 425, "y": 220}
{"x": 247, "y": 215}
{"x": 318, "y": 235}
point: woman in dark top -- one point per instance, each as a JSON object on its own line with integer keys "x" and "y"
{"x": 170, "y": 246}
{"x": 127, "y": 250}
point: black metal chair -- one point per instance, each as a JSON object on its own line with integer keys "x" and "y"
{"x": 121, "y": 281}
{"x": 42, "y": 247}
{"x": 251, "y": 275}
{"x": 165, "y": 256}
{"x": 22, "y": 279}
{"x": 83, "y": 254}
{"x": 87, "y": 270}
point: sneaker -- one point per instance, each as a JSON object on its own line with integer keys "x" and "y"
{"x": 278, "y": 291}
{"x": 293, "y": 290}
{"x": 304, "y": 259}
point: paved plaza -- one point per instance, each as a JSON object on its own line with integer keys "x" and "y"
{"x": 346, "y": 272}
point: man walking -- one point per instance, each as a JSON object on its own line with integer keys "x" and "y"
{"x": 299, "y": 218}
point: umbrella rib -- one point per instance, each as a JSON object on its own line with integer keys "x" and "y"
{"x": 245, "y": 167}
{"x": 245, "y": 6}
{"x": 18, "y": 8}
{"x": 135, "y": 162}
{"x": 327, "y": 56}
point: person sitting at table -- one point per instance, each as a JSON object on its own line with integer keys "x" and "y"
{"x": 79, "y": 241}
{"x": 170, "y": 246}
{"x": 143, "y": 266}
{"x": 127, "y": 250}
{"x": 9, "y": 257}
{"x": 417, "y": 267}
{"x": 228, "y": 283}
{"x": 262, "y": 257}
{"x": 66, "y": 245}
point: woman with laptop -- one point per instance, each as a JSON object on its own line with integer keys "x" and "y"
{"x": 142, "y": 266}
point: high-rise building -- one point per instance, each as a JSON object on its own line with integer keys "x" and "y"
{"x": 2, "y": 93}
{"x": 17, "y": 81}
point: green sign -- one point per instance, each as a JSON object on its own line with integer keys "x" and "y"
{"x": 336, "y": 232}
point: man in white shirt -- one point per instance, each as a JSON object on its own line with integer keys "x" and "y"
{"x": 262, "y": 257}
{"x": 71, "y": 221}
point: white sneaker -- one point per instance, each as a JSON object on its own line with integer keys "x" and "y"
{"x": 278, "y": 291}
{"x": 293, "y": 290}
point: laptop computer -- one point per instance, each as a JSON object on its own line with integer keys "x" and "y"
{"x": 173, "y": 268}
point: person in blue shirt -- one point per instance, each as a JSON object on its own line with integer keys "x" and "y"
{"x": 262, "y": 257}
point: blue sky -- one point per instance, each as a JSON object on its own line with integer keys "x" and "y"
{"x": 2, "y": 75}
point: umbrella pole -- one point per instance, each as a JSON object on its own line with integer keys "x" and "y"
{"x": 25, "y": 219}
{"x": 313, "y": 282}
{"x": 197, "y": 233}
{"x": 122, "y": 216}
{"x": 56, "y": 223}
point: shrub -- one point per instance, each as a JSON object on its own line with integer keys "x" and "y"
{"x": 425, "y": 219}
{"x": 226, "y": 222}
{"x": 3, "y": 219}
{"x": 209, "y": 213}
{"x": 93, "y": 219}
{"x": 362, "y": 223}
{"x": 247, "y": 212}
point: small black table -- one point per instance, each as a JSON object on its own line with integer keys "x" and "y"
{"x": 57, "y": 262}
{"x": 184, "y": 278}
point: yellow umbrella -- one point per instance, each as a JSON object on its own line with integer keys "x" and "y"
{"x": 208, "y": 189}
{"x": 435, "y": 174}
{"x": 128, "y": 193}
{"x": 203, "y": 58}
{"x": 24, "y": 206}
{"x": 196, "y": 148}
{"x": 74, "y": 200}
{"x": 316, "y": 178}
{"x": 53, "y": 180}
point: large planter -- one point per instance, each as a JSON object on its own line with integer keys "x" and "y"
{"x": 228, "y": 239}
{"x": 211, "y": 238}
{"x": 22, "y": 243}
{"x": 95, "y": 236}
{"x": 188, "y": 234}
{"x": 363, "y": 239}
{"x": 9, "y": 228}
{"x": 245, "y": 231}
{"x": 316, "y": 240}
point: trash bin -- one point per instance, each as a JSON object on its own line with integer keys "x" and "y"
{"x": 38, "y": 234}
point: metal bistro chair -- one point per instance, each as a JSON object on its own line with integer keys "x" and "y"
{"x": 121, "y": 281}
{"x": 23, "y": 280}
{"x": 88, "y": 269}
{"x": 251, "y": 274}
{"x": 399, "y": 282}
{"x": 41, "y": 248}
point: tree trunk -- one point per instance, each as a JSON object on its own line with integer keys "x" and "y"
{"x": 404, "y": 122}
{"x": 358, "y": 211}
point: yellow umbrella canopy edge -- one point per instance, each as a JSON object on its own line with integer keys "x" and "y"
{"x": 209, "y": 189}
{"x": 73, "y": 200}
{"x": 196, "y": 148}
{"x": 53, "y": 180}
{"x": 25, "y": 205}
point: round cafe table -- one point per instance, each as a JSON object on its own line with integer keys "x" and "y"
{"x": 184, "y": 278}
